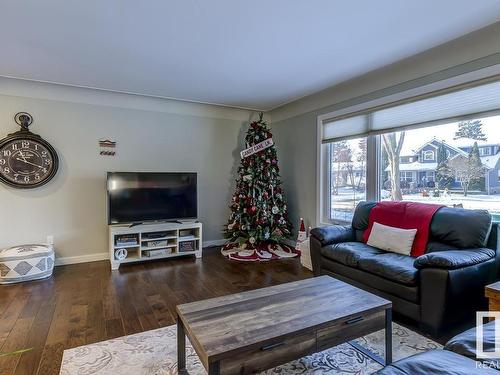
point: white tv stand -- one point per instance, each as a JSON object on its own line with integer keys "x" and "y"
{"x": 154, "y": 241}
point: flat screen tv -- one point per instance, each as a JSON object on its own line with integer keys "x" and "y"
{"x": 148, "y": 197}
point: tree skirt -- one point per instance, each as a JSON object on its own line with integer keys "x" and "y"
{"x": 258, "y": 252}
{"x": 155, "y": 353}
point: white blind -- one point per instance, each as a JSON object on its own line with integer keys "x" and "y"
{"x": 345, "y": 128}
{"x": 476, "y": 100}
{"x": 461, "y": 103}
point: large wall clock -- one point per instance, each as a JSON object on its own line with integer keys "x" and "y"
{"x": 26, "y": 159}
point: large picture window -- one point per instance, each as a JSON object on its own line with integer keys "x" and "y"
{"x": 430, "y": 153}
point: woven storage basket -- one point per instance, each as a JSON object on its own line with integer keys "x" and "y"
{"x": 25, "y": 263}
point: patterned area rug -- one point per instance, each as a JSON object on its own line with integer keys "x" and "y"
{"x": 154, "y": 353}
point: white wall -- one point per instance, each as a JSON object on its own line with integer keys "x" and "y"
{"x": 295, "y": 124}
{"x": 167, "y": 136}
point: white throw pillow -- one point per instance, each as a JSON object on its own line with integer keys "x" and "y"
{"x": 392, "y": 239}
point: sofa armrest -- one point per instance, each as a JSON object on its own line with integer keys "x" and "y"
{"x": 332, "y": 234}
{"x": 453, "y": 259}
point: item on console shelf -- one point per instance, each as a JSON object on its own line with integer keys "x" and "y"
{"x": 187, "y": 246}
{"x": 156, "y": 243}
{"x": 157, "y": 253}
{"x": 186, "y": 234}
{"x": 121, "y": 254}
{"x": 153, "y": 236}
{"x": 25, "y": 263}
{"x": 126, "y": 240}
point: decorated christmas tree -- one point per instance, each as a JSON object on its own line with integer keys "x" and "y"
{"x": 258, "y": 223}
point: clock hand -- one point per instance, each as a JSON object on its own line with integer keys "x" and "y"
{"x": 28, "y": 162}
{"x": 22, "y": 155}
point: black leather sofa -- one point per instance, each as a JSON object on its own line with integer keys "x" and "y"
{"x": 458, "y": 357}
{"x": 439, "y": 289}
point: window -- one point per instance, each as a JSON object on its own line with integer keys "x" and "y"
{"x": 406, "y": 176}
{"x": 422, "y": 151}
{"x": 485, "y": 151}
{"x": 346, "y": 177}
{"x": 428, "y": 155}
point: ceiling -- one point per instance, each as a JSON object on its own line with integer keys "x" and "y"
{"x": 252, "y": 54}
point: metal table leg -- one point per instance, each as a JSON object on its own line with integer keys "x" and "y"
{"x": 388, "y": 336}
{"x": 181, "y": 347}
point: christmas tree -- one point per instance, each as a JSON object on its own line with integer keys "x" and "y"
{"x": 258, "y": 223}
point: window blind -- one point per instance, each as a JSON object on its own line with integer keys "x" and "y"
{"x": 452, "y": 106}
{"x": 345, "y": 128}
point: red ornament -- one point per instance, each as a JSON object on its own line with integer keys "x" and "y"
{"x": 252, "y": 210}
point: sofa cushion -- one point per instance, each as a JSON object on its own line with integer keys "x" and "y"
{"x": 433, "y": 246}
{"x": 395, "y": 267}
{"x": 361, "y": 215}
{"x": 349, "y": 253}
{"x": 331, "y": 234}
{"x": 460, "y": 227}
{"x": 435, "y": 362}
{"x": 453, "y": 259}
{"x": 407, "y": 296}
{"x": 465, "y": 343}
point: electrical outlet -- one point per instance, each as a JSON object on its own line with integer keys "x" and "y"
{"x": 50, "y": 239}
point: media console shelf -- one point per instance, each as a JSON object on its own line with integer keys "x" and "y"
{"x": 154, "y": 241}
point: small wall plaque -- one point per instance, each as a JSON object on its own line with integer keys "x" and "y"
{"x": 107, "y": 147}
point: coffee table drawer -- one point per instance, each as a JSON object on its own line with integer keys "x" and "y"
{"x": 270, "y": 355}
{"x": 350, "y": 328}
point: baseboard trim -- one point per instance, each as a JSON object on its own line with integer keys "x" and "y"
{"x": 214, "y": 243}
{"x": 62, "y": 261}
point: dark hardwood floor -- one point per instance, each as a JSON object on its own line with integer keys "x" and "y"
{"x": 87, "y": 303}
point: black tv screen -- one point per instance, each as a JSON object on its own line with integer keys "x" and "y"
{"x": 144, "y": 197}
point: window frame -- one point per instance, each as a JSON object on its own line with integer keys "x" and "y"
{"x": 483, "y": 149}
{"x": 403, "y": 176}
{"x": 427, "y": 152}
{"x": 372, "y": 176}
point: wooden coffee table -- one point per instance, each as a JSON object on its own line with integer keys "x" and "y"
{"x": 263, "y": 328}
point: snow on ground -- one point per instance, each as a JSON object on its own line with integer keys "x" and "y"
{"x": 343, "y": 204}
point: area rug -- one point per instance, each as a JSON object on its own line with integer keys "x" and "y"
{"x": 155, "y": 353}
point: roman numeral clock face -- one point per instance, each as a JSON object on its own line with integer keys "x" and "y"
{"x": 27, "y": 163}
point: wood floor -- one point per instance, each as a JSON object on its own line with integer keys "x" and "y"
{"x": 87, "y": 303}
